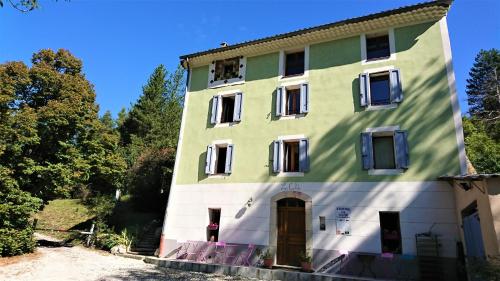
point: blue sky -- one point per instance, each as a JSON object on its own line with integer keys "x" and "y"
{"x": 121, "y": 42}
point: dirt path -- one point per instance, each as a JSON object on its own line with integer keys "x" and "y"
{"x": 81, "y": 264}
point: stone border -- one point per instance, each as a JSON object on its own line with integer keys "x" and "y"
{"x": 248, "y": 272}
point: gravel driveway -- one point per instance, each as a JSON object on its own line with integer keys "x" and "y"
{"x": 79, "y": 264}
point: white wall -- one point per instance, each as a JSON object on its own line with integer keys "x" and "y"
{"x": 421, "y": 204}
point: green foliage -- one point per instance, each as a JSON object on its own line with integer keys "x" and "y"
{"x": 108, "y": 239}
{"x": 16, "y": 241}
{"x": 305, "y": 257}
{"x": 485, "y": 270}
{"x": 483, "y": 91}
{"x": 149, "y": 178}
{"x": 482, "y": 150}
{"x": 16, "y": 207}
{"x": 149, "y": 134}
{"x": 51, "y": 139}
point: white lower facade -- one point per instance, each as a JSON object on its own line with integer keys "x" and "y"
{"x": 248, "y": 217}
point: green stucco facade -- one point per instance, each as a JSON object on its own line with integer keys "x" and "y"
{"x": 335, "y": 119}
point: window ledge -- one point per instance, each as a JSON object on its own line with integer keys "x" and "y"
{"x": 294, "y": 77}
{"x": 218, "y": 176}
{"x": 372, "y": 61}
{"x": 225, "y": 125}
{"x": 385, "y": 172}
{"x": 381, "y": 107}
{"x": 291, "y": 117}
{"x": 221, "y": 84}
{"x": 290, "y": 174}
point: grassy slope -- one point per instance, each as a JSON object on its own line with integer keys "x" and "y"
{"x": 66, "y": 214}
{"x": 63, "y": 214}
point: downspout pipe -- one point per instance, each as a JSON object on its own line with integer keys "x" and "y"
{"x": 163, "y": 238}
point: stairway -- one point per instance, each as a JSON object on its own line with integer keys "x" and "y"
{"x": 148, "y": 241}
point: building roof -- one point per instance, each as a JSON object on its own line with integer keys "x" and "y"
{"x": 471, "y": 177}
{"x": 421, "y": 12}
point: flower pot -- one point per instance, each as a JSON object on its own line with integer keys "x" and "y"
{"x": 306, "y": 266}
{"x": 268, "y": 263}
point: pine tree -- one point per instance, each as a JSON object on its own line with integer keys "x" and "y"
{"x": 483, "y": 90}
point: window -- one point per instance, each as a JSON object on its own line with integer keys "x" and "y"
{"x": 290, "y": 155}
{"x": 292, "y": 100}
{"x": 226, "y": 108}
{"x": 377, "y": 47}
{"x": 219, "y": 159}
{"x": 380, "y": 88}
{"x": 227, "y": 71}
{"x": 213, "y": 225}
{"x": 385, "y": 150}
{"x": 227, "y": 114}
{"x": 294, "y": 63}
{"x": 322, "y": 223}
{"x": 390, "y": 232}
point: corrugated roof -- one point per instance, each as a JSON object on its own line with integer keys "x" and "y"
{"x": 438, "y": 3}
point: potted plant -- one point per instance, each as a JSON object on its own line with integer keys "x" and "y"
{"x": 305, "y": 261}
{"x": 267, "y": 258}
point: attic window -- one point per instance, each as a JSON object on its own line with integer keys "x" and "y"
{"x": 226, "y": 71}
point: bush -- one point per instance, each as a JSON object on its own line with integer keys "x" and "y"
{"x": 485, "y": 270}
{"x": 108, "y": 239}
{"x": 16, "y": 242}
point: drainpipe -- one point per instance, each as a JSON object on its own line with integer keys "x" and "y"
{"x": 163, "y": 237}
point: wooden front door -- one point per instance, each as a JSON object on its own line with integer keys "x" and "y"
{"x": 291, "y": 231}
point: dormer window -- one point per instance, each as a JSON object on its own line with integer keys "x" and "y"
{"x": 226, "y": 71}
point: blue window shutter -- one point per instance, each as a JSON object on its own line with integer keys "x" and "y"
{"x": 396, "y": 89}
{"x": 367, "y": 151}
{"x": 238, "y": 106}
{"x": 304, "y": 155}
{"x": 402, "y": 151}
{"x": 215, "y": 105}
{"x": 208, "y": 161}
{"x": 276, "y": 156}
{"x": 364, "y": 89}
{"x": 280, "y": 91}
{"x": 304, "y": 98}
{"x": 229, "y": 159}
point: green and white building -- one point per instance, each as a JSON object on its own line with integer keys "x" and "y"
{"x": 328, "y": 139}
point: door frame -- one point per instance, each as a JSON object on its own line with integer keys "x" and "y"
{"x": 273, "y": 222}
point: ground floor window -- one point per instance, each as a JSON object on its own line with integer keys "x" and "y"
{"x": 214, "y": 225}
{"x": 390, "y": 232}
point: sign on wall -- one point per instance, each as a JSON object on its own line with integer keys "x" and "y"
{"x": 343, "y": 218}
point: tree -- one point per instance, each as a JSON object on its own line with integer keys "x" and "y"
{"x": 483, "y": 91}
{"x": 54, "y": 138}
{"x": 482, "y": 150}
{"x": 149, "y": 133}
{"x": 22, "y": 5}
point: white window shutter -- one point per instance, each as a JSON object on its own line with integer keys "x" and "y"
{"x": 304, "y": 155}
{"x": 280, "y": 97}
{"x": 364, "y": 89}
{"x": 304, "y": 98}
{"x": 209, "y": 169}
{"x": 395, "y": 82}
{"x": 402, "y": 151}
{"x": 238, "y": 106}
{"x": 277, "y": 156}
{"x": 367, "y": 151}
{"x": 229, "y": 159}
{"x": 215, "y": 105}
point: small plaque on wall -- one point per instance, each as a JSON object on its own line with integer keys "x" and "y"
{"x": 343, "y": 221}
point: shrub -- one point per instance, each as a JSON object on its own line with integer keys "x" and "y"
{"x": 16, "y": 242}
